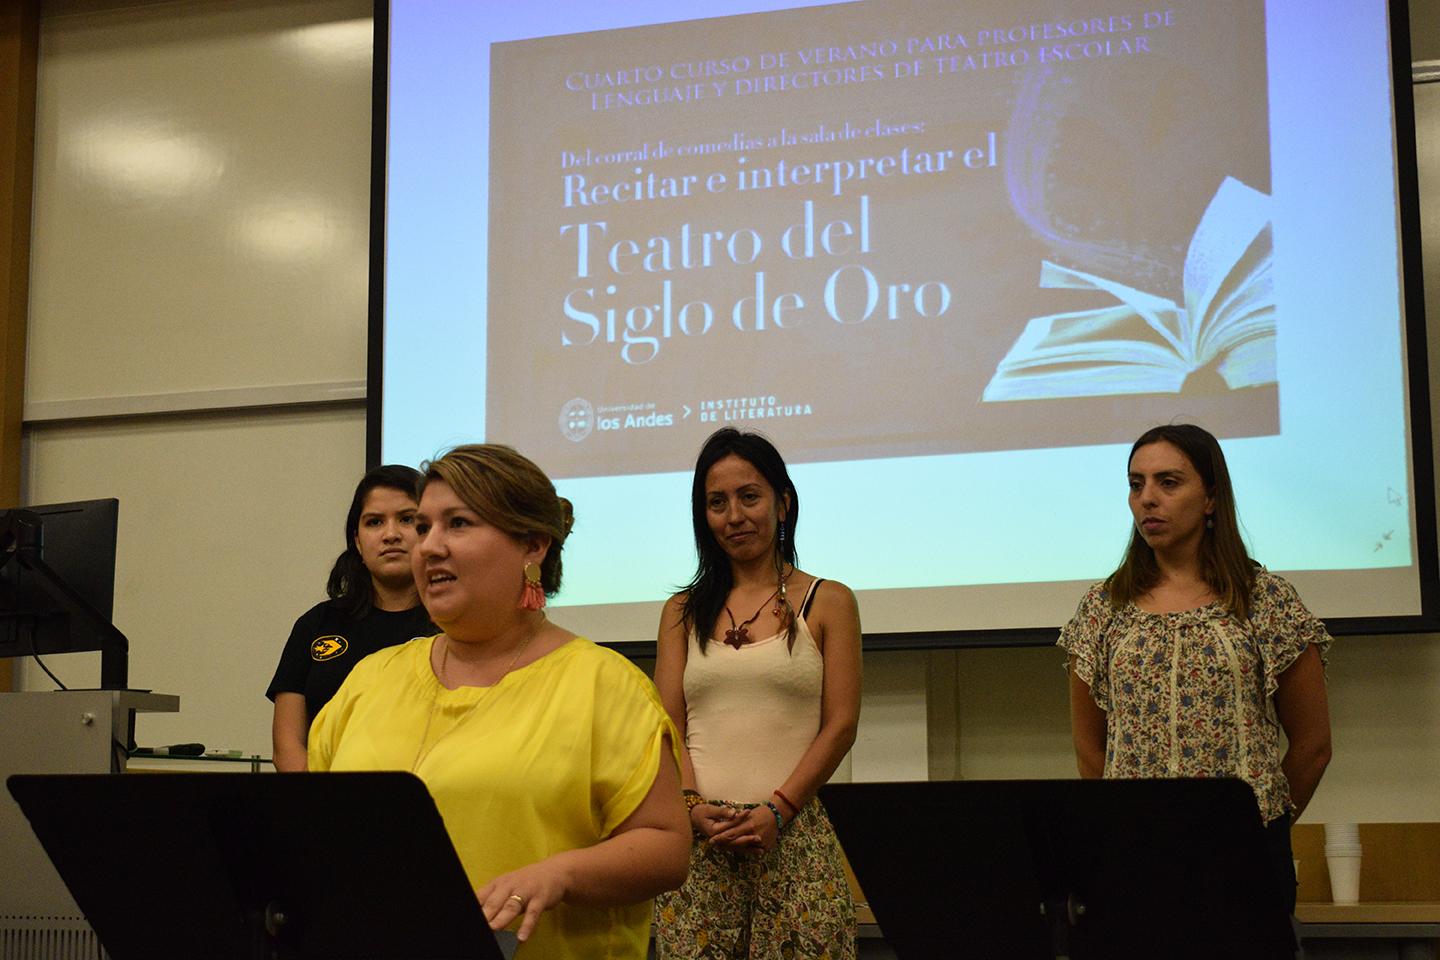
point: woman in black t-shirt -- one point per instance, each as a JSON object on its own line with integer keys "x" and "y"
{"x": 373, "y": 604}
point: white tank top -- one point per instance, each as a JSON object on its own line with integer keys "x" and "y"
{"x": 751, "y": 713}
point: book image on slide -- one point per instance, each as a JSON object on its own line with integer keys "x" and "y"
{"x": 1148, "y": 344}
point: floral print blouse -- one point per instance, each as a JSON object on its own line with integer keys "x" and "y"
{"x": 1188, "y": 694}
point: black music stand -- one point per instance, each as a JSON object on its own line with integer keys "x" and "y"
{"x": 250, "y": 866}
{"x": 1084, "y": 869}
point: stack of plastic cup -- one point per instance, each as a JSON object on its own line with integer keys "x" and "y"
{"x": 1342, "y": 856}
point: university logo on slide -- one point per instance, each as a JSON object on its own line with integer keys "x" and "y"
{"x": 328, "y": 648}
{"x": 577, "y": 419}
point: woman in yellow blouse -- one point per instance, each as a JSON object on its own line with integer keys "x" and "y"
{"x": 1190, "y": 659}
{"x": 551, "y": 759}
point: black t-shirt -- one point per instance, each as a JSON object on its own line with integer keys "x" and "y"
{"x": 325, "y": 645}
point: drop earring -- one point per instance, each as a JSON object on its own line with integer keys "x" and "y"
{"x": 781, "y": 602}
{"x": 532, "y": 595}
{"x": 1209, "y": 522}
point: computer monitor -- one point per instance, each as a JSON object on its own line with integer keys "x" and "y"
{"x": 57, "y": 584}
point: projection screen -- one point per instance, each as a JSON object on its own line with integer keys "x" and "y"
{"x": 951, "y": 257}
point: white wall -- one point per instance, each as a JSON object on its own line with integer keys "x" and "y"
{"x": 238, "y": 276}
{"x": 227, "y": 531}
{"x": 200, "y": 240}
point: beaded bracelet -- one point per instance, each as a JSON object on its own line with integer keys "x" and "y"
{"x": 693, "y": 799}
{"x": 779, "y": 820}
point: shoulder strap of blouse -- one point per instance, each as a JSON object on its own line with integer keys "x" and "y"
{"x": 809, "y": 598}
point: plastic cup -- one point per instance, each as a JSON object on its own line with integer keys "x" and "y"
{"x": 1342, "y": 856}
{"x": 1344, "y": 875}
{"x": 1342, "y": 833}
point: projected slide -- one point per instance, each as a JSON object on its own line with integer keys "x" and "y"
{"x": 953, "y": 258}
{"x": 874, "y": 235}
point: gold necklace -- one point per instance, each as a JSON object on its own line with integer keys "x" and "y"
{"x": 423, "y": 751}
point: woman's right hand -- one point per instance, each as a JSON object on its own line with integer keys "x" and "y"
{"x": 752, "y": 830}
{"x": 523, "y": 894}
{"x": 708, "y": 819}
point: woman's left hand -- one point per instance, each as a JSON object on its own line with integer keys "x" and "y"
{"x": 754, "y": 830}
{"x": 529, "y": 891}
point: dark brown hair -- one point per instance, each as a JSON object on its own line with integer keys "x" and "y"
{"x": 350, "y": 585}
{"x": 704, "y": 596}
{"x": 1225, "y": 565}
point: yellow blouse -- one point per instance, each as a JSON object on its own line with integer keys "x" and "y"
{"x": 553, "y": 757}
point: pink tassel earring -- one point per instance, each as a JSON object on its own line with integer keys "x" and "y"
{"x": 532, "y": 597}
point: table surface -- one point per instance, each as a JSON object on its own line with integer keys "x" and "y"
{"x": 1369, "y": 912}
{"x": 1413, "y": 912}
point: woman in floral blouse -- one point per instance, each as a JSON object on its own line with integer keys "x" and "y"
{"x": 1191, "y": 658}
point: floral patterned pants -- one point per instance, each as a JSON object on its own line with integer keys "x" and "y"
{"x": 791, "y": 904}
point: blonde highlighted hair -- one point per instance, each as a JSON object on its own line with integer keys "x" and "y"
{"x": 510, "y": 493}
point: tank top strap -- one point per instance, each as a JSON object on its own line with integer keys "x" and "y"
{"x": 809, "y": 598}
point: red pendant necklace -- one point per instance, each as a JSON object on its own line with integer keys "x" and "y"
{"x": 737, "y": 637}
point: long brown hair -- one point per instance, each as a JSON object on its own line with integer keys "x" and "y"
{"x": 1225, "y": 566}
{"x": 704, "y": 596}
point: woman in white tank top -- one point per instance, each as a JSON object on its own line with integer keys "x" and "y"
{"x": 758, "y": 664}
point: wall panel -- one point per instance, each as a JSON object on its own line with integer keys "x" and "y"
{"x": 228, "y": 526}
{"x": 201, "y": 197}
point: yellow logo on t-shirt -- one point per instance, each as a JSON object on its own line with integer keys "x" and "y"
{"x": 328, "y": 648}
